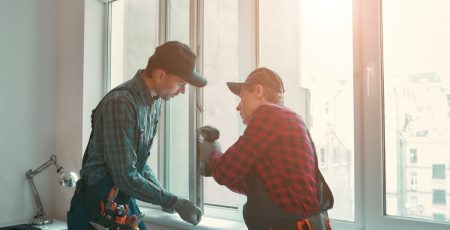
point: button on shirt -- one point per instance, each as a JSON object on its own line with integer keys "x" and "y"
{"x": 125, "y": 124}
{"x": 276, "y": 144}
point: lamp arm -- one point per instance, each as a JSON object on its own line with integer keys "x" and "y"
{"x": 31, "y": 173}
{"x": 52, "y": 161}
{"x": 36, "y": 198}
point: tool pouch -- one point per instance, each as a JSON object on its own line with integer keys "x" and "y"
{"x": 90, "y": 200}
{"x": 111, "y": 224}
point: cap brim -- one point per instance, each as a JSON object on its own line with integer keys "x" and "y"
{"x": 196, "y": 79}
{"x": 235, "y": 87}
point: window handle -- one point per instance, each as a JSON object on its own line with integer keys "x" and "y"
{"x": 369, "y": 72}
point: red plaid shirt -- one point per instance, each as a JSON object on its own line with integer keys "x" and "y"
{"x": 276, "y": 144}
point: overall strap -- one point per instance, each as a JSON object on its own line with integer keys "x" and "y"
{"x": 86, "y": 153}
{"x": 91, "y": 199}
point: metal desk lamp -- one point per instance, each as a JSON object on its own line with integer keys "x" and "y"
{"x": 66, "y": 179}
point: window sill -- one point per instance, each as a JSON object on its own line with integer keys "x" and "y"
{"x": 153, "y": 216}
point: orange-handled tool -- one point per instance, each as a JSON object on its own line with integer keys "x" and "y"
{"x": 111, "y": 206}
{"x": 111, "y": 196}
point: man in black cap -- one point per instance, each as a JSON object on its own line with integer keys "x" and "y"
{"x": 114, "y": 172}
{"x": 273, "y": 163}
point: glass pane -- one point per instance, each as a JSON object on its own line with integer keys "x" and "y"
{"x": 178, "y": 119}
{"x": 439, "y": 216}
{"x": 416, "y": 51}
{"x": 309, "y": 43}
{"x": 220, "y": 66}
{"x": 178, "y": 20}
{"x": 133, "y": 39}
{"x": 438, "y": 171}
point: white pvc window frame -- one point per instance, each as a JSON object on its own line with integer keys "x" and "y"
{"x": 370, "y": 66}
{"x": 370, "y": 201}
{"x": 248, "y": 59}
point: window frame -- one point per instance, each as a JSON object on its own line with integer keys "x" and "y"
{"x": 162, "y": 158}
{"x": 250, "y": 62}
{"x": 370, "y": 201}
{"x": 371, "y": 66}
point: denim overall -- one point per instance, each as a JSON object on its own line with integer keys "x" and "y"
{"x": 85, "y": 204}
{"x": 79, "y": 216}
{"x": 260, "y": 213}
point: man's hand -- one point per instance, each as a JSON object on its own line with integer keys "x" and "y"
{"x": 188, "y": 211}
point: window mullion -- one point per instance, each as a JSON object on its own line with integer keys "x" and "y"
{"x": 163, "y": 134}
{"x": 359, "y": 125}
{"x": 107, "y": 62}
{"x": 194, "y": 177}
{"x": 197, "y": 97}
{"x": 372, "y": 136}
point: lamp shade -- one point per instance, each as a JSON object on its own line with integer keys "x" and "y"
{"x": 68, "y": 179}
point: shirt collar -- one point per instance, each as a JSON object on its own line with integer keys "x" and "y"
{"x": 147, "y": 96}
{"x": 154, "y": 95}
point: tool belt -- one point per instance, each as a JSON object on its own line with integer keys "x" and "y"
{"x": 319, "y": 222}
{"x": 109, "y": 213}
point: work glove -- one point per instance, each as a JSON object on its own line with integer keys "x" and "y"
{"x": 186, "y": 210}
{"x": 205, "y": 151}
{"x": 209, "y": 133}
{"x": 207, "y": 144}
{"x": 207, "y": 148}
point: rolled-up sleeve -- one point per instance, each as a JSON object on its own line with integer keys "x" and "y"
{"x": 119, "y": 124}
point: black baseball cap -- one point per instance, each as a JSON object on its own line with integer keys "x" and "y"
{"x": 177, "y": 58}
{"x": 262, "y": 76}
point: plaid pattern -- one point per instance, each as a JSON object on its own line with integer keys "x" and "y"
{"x": 125, "y": 124}
{"x": 276, "y": 144}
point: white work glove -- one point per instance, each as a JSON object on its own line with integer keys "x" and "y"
{"x": 187, "y": 210}
{"x": 207, "y": 145}
{"x": 207, "y": 148}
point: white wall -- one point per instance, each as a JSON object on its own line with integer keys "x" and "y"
{"x": 41, "y": 99}
{"x": 51, "y": 77}
{"x": 27, "y": 82}
{"x": 79, "y": 85}
{"x": 68, "y": 120}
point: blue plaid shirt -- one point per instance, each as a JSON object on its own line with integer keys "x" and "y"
{"x": 125, "y": 125}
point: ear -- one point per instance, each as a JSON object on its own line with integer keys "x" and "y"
{"x": 259, "y": 91}
{"x": 159, "y": 75}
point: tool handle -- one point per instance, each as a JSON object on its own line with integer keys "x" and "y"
{"x": 110, "y": 201}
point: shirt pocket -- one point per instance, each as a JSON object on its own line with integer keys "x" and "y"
{"x": 140, "y": 148}
{"x": 140, "y": 132}
{"x": 140, "y": 137}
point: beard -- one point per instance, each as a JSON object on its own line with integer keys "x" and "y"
{"x": 166, "y": 94}
{"x": 165, "y": 98}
